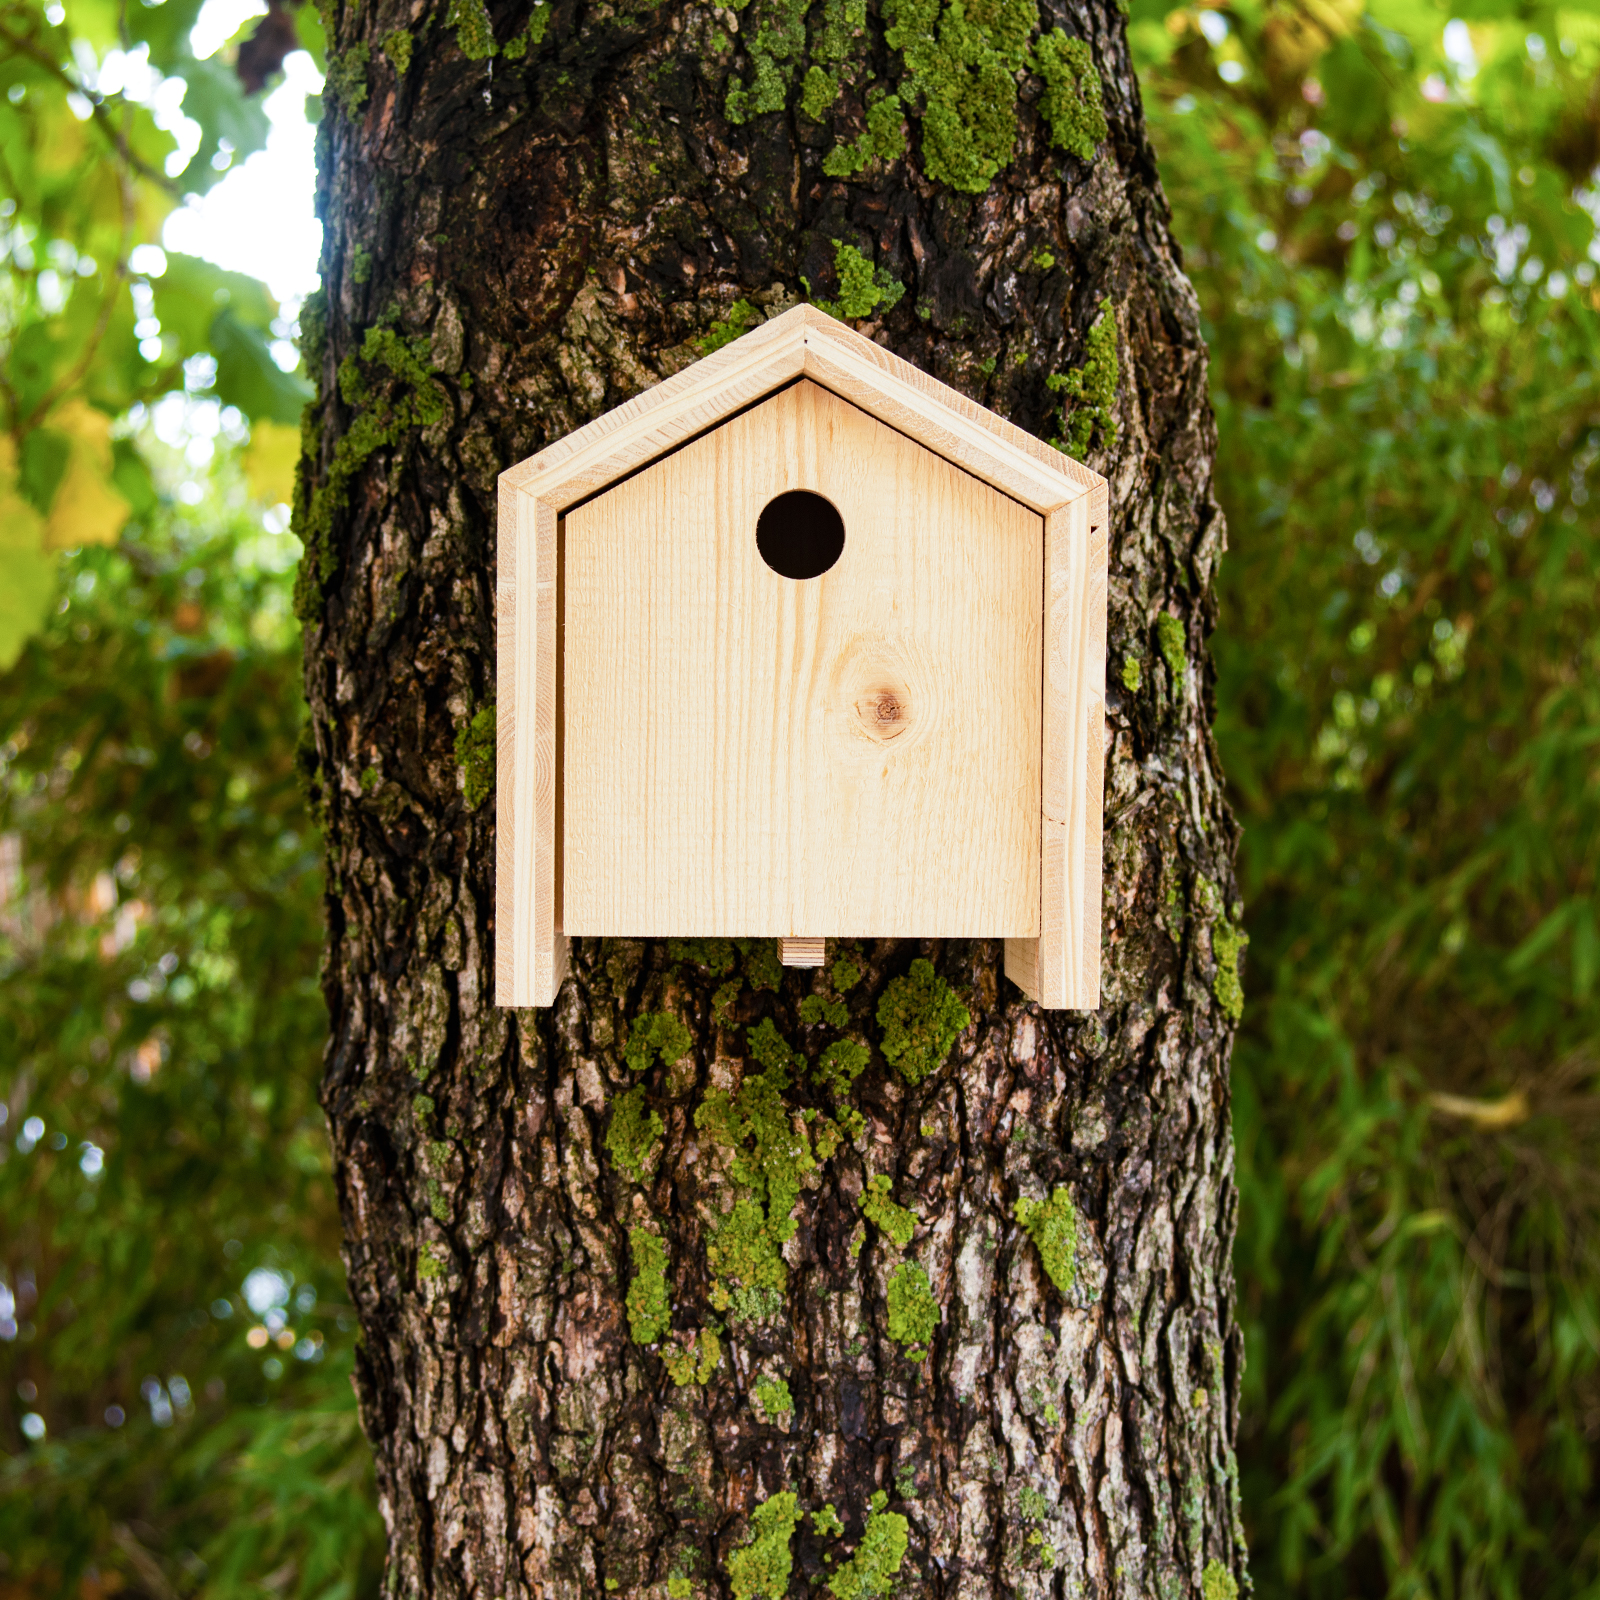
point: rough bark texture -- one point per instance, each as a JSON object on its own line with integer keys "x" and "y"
{"x": 513, "y": 246}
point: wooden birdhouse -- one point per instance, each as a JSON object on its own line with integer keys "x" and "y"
{"x": 802, "y": 644}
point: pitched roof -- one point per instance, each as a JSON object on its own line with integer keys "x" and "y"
{"x": 803, "y": 342}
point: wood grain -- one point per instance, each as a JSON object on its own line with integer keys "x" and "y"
{"x": 856, "y": 754}
{"x": 802, "y": 952}
{"x": 1061, "y": 969}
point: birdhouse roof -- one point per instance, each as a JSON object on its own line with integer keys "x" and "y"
{"x": 803, "y": 342}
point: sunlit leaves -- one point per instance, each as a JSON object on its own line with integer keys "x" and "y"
{"x": 106, "y": 121}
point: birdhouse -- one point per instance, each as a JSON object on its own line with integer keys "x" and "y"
{"x": 801, "y": 644}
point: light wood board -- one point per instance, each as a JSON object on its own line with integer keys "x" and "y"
{"x": 856, "y": 754}
{"x": 1060, "y": 965}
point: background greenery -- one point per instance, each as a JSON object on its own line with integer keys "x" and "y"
{"x": 1389, "y": 211}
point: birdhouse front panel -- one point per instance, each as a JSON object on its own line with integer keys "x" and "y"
{"x": 754, "y": 749}
{"x": 801, "y": 643}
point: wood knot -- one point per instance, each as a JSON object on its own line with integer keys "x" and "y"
{"x": 884, "y": 713}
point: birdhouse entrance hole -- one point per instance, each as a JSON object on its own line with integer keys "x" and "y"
{"x": 800, "y": 534}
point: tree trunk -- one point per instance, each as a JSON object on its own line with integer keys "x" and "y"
{"x": 575, "y": 1324}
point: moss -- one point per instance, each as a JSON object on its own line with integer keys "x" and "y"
{"x": 346, "y": 80}
{"x": 884, "y": 139}
{"x": 842, "y": 24}
{"x": 920, "y": 1018}
{"x": 962, "y": 60}
{"x": 1043, "y": 259}
{"x": 1034, "y": 1505}
{"x": 474, "y": 30}
{"x": 741, "y": 318}
{"x": 1051, "y": 1415}
{"x": 774, "y": 46}
{"x": 1053, "y": 1226}
{"x": 1071, "y": 104}
{"x": 408, "y": 397}
{"x": 722, "y": 1001}
{"x": 825, "y": 1523}
{"x": 913, "y": 1312}
{"x": 696, "y": 1361}
{"x": 844, "y": 974}
{"x": 1090, "y": 392}
{"x": 430, "y": 1264}
{"x": 1132, "y": 673}
{"x": 361, "y": 265}
{"x": 715, "y": 955}
{"x": 768, "y": 1048}
{"x": 633, "y": 1133}
{"x": 770, "y": 1158}
{"x": 438, "y": 1206}
{"x": 475, "y": 755}
{"x": 899, "y": 1222}
{"x": 872, "y": 1569}
{"x": 649, "y": 1310}
{"x": 397, "y": 47}
{"x": 1217, "y": 1583}
{"x": 761, "y": 1568}
{"x": 659, "y": 1034}
{"x": 422, "y": 1107}
{"x": 773, "y": 1399}
{"x": 761, "y": 964}
{"x": 816, "y": 1009}
{"x": 818, "y": 92}
{"x": 532, "y": 36}
{"x": 679, "y": 1588}
{"x": 313, "y": 321}
{"x": 863, "y": 288}
{"x": 827, "y": 1139}
{"x": 1172, "y": 642}
{"x": 840, "y": 1065}
{"x": 1227, "y": 945}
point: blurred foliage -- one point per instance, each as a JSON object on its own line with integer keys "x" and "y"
{"x": 1389, "y": 218}
{"x": 107, "y": 121}
{"x": 175, "y": 1345}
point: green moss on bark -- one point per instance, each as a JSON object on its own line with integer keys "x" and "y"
{"x": 921, "y": 1018}
{"x": 1227, "y": 945}
{"x": 872, "y": 1569}
{"x": 474, "y": 30}
{"x": 475, "y": 756}
{"x": 760, "y": 1569}
{"x": 346, "y": 80}
{"x": 1090, "y": 392}
{"x": 397, "y": 46}
{"x": 898, "y": 1222}
{"x": 649, "y": 1310}
{"x": 962, "y": 61}
{"x": 1071, "y": 104}
{"x": 863, "y": 288}
{"x": 392, "y": 390}
{"x": 913, "y": 1312}
{"x": 1053, "y": 1226}
{"x": 658, "y": 1034}
{"x": 633, "y": 1133}
{"x": 774, "y": 46}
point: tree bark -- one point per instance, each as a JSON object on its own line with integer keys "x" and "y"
{"x": 514, "y": 244}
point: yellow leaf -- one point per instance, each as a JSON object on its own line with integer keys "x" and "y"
{"x": 87, "y": 508}
{"x": 269, "y": 461}
{"x": 27, "y": 574}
